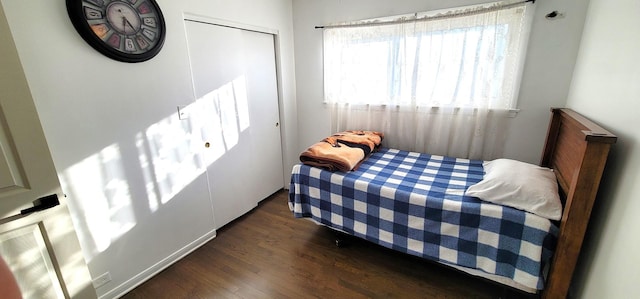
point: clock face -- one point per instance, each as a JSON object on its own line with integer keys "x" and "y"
{"x": 125, "y": 30}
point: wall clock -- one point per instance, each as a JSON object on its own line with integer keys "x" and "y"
{"x": 125, "y": 30}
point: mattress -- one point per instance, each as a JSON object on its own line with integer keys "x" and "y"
{"x": 415, "y": 203}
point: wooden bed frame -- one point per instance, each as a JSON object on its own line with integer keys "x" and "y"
{"x": 577, "y": 150}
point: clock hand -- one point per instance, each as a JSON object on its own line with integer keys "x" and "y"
{"x": 124, "y": 26}
{"x": 125, "y": 20}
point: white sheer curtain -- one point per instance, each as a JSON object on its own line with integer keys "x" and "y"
{"x": 443, "y": 85}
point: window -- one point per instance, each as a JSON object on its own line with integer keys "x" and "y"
{"x": 470, "y": 57}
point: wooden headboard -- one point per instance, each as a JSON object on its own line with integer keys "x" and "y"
{"x": 576, "y": 149}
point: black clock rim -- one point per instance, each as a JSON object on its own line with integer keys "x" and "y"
{"x": 76, "y": 15}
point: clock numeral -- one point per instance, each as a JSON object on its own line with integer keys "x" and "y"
{"x": 114, "y": 41}
{"x": 149, "y": 34}
{"x": 151, "y": 22}
{"x": 100, "y": 30}
{"x": 144, "y": 8}
{"x": 96, "y": 2}
{"x": 142, "y": 43}
{"x": 129, "y": 45}
{"x": 92, "y": 14}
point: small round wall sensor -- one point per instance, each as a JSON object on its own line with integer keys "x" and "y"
{"x": 554, "y": 15}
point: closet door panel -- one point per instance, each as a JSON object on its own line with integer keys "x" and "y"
{"x": 234, "y": 77}
{"x": 262, "y": 90}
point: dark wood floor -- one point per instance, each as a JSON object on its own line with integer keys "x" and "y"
{"x": 270, "y": 254}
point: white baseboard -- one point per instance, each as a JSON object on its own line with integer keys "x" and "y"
{"x": 145, "y": 275}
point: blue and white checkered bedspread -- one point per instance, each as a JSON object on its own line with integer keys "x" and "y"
{"x": 414, "y": 203}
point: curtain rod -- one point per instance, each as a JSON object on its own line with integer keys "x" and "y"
{"x": 437, "y": 17}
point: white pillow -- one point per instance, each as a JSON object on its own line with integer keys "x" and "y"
{"x": 519, "y": 185}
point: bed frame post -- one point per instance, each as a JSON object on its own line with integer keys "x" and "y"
{"x": 552, "y": 138}
{"x": 579, "y": 178}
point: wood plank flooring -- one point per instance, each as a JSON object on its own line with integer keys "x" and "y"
{"x": 270, "y": 254}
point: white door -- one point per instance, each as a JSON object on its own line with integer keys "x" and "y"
{"x": 41, "y": 248}
{"x": 234, "y": 77}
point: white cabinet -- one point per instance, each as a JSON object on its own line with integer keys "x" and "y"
{"x": 235, "y": 84}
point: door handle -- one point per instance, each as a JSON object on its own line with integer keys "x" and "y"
{"x": 40, "y": 204}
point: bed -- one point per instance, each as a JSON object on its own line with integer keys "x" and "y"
{"x": 416, "y": 203}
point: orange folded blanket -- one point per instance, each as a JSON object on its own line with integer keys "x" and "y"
{"x": 371, "y": 139}
{"x": 342, "y": 151}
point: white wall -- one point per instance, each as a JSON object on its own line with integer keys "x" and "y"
{"x": 103, "y": 119}
{"x": 606, "y": 89}
{"x": 548, "y": 69}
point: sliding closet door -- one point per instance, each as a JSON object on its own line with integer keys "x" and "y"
{"x": 234, "y": 77}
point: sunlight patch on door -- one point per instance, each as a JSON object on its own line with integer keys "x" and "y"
{"x": 170, "y": 157}
{"x": 239, "y": 86}
{"x": 222, "y": 115}
{"x": 224, "y": 101}
{"x": 174, "y": 152}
